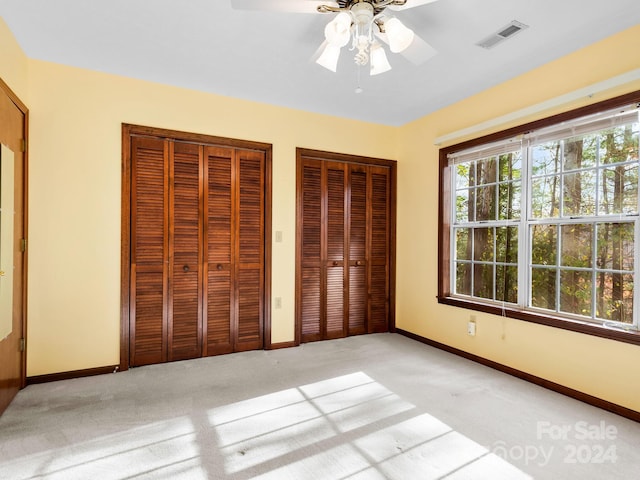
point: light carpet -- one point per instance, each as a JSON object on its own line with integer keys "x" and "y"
{"x": 368, "y": 407}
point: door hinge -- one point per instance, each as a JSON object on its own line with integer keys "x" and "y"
{"x": 23, "y": 244}
{"x": 23, "y": 344}
{"x": 23, "y": 145}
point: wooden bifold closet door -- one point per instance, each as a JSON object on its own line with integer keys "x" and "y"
{"x": 197, "y": 249}
{"x": 345, "y": 238}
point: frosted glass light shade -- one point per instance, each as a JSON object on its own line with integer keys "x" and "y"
{"x": 329, "y": 57}
{"x": 338, "y": 31}
{"x": 378, "y": 59}
{"x": 400, "y": 37}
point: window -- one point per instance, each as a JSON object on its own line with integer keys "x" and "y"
{"x": 541, "y": 222}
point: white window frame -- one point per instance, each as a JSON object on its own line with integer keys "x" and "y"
{"x": 576, "y": 126}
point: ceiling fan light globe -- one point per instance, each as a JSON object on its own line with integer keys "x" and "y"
{"x": 329, "y": 57}
{"x": 338, "y": 31}
{"x": 379, "y": 62}
{"x": 399, "y": 36}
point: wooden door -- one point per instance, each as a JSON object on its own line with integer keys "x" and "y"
{"x": 379, "y": 251}
{"x": 198, "y": 262}
{"x": 344, "y": 252}
{"x": 358, "y": 261}
{"x": 249, "y": 260}
{"x": 184, "y": 324}
{"x": 12, "y": 244}
{"x": 149, "y": 266}
{"x": 234, "y": 238}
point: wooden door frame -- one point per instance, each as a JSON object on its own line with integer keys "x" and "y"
{"x": 25, "y": 219}
{"x": 324, "y": 156}
{"x": 129, "y": 130}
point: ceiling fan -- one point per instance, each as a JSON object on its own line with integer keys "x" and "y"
{"x": 361, "y": 23}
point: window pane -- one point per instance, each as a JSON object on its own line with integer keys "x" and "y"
{"x": 619, "y": 190}
{"x": 507, "y": 244}
{"x": 580, "y": 152}
{"x": 463, "y": 245}
{"x": 616, "y": 246}
{"x": 485, "y": 203}
{"x": 619, "y": 144}
{"x": 615, "y": 297}
{"x": 462, "y": 206}
{"x": 483, "y": 244}
{"x": 509, "y": 200}
{"x": 486, "y": 171}
{"x": 545, "y": 197}
{"x": 462, "y": 175}
{"x": 544, "y": 244}
{"x": 507, "y": 283}
{"x": 580, "y": 193}
{"x": 463, "y": 278}
{"x": 545, "y": 158}
{"x": 575, "y": 292}
{"x": 510, "y": 166}
{"x": 577, "y": 243}
{"x": 543, "y": 288}
{"x": 483, "y": 281}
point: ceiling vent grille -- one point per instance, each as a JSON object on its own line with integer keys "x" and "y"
{"x": 502, "y": 34}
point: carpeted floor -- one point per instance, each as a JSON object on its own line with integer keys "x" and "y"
{"x": 368, "y": 407}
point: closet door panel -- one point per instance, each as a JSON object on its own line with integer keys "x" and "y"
{"x": 335, "y": 245}
{"x": 379, "y": 252}
{"x": 250, "y": 245}
{"x": 357, "y": 250}
{"x": 149, "y": 228}
{"x": 185, "y": 332}
{"x": 220, "y": 313}
{"x": 311, "y": 291}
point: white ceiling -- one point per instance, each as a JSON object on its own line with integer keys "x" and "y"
{"x": 266, "y": 56}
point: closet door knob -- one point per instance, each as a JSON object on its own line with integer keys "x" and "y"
{"x": 185, "y": 268}
{"x": 358, "y": 263}
{"x": 219, "y": 267}
{"x": 335, "y": 263}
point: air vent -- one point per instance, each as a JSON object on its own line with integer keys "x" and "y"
{"x": 502, "y": 34}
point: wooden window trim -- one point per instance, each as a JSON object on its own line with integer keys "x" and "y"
{"x": 129, "y": 130}
{"x": 444, "y": 229}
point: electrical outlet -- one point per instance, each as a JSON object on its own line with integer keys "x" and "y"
{"x": 278, "y": 236}
{"x": 278, "y": 302}
{"x": 471, "y": 327}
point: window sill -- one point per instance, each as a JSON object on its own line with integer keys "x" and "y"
{"x": 611, "y": 333}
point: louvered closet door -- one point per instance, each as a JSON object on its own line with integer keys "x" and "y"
{"x": 197, "y": 250}
{"x": 220, "y": 277}
{"x": 185, "y": 331}
{"x": 379, "y": 252}
{"x": 149, "y": 233}
{"x": 235, "y": 249}
{"x": 358, "y": 266}
{"x": 344, "y": 248}
{"x": 335, "y": 265}
{"x": 249, "y": 229}
{"x": 310, "y": 284}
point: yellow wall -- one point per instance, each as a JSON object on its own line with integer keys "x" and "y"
{"x": 75, "y": 179}
{"x": 604, "y": 368}
{"x": 13, "y": 63}
{"x": 74, "y": 224}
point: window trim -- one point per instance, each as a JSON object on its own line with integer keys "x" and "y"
{"x": 444, "y": 229}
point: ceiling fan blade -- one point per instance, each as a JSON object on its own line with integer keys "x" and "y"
{"x": 410, "y": 4}
{"x": 417, "y": 53}
{"x": 290, "y": 6}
